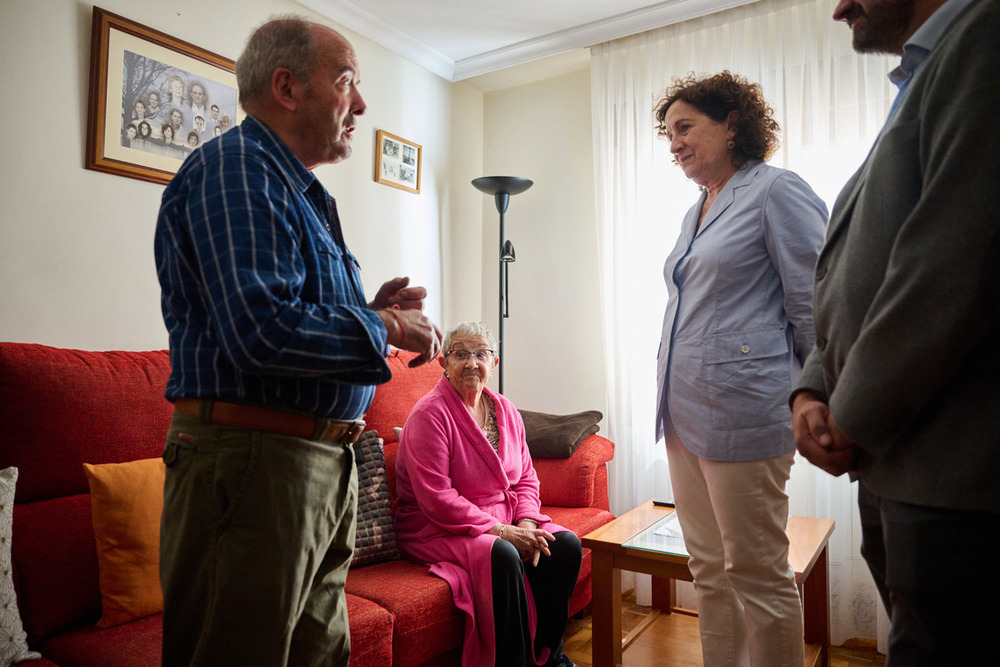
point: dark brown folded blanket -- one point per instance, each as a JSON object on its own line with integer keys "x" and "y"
{"x": 557, "y": 436}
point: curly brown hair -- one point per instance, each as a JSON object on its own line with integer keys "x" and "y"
{"x": 719, "y": 95}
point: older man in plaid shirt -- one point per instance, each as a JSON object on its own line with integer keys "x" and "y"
{"x": 274, "y": 356}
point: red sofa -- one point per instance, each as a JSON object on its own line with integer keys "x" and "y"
{"x": 60, "y": 408}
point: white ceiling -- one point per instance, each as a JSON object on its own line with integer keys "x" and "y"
{"x": 458, "y": 39}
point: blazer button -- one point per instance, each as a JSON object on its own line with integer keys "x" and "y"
{"x": 820, "y": 272}
{"x": 745, "y": 349}
{"x": 820, "y": 343}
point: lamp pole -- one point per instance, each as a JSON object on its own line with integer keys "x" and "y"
{"x": 502, "y": 187}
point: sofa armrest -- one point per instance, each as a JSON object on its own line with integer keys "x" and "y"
{"x": 580, "y": 480}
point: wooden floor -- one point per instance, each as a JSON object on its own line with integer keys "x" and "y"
{"x": 672, "y": 639}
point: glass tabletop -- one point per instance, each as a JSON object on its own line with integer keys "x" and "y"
{"x": 664, "y": 536}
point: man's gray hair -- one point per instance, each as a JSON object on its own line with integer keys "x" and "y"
{"x": 284, "y": 41}
{"x": 469, "y": 329}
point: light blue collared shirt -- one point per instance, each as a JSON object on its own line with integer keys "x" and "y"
{"x": 922, "y": 41}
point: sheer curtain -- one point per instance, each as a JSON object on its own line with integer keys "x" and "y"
{"x": 830, "y": 103}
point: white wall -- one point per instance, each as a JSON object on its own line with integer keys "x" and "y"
{"x": 76, "y": 263}
{"x": 552, "y": 345}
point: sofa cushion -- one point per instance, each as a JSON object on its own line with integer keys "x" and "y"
{"x": 136, "y": 644}
{"x": 371, "y": 633}
{"x": 375, "y": 537}
{"x": 60, "y": 408}
{"x": 389, "y": 450}
{"x": 557, "y": 436}
{"x": 127, "y": 502}
{"x": 581, "y": 520}
{"x": 570, "y": 482}
{"x": 55, "y": 565}
{"x": 139, "y": 643}
{"x": 13, "y": 639}
{"x": 426, "y": 624}
{"x": 393, "y": 400}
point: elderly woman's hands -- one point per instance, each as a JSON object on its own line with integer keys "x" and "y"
{"x": 529, "y": 540}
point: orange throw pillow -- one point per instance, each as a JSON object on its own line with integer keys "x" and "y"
{"x": 127, "y": 501}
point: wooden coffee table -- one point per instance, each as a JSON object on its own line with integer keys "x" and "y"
{"x": 809, "y": 538}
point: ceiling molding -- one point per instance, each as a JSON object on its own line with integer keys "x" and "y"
{"x": 582, "y": 36}
{"x": 349, "y": 15}
{"x": 357, "y": 20}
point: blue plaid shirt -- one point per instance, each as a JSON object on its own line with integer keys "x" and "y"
{"x": 261, "y": 298}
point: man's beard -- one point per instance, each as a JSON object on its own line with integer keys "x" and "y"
{"x": 882, "y": 28}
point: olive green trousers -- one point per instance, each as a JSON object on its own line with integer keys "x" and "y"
{"x": 255, "y": 542}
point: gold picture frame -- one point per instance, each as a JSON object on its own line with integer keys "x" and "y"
{"x": 127, "y": 129}
{"x": 397, "y": 162}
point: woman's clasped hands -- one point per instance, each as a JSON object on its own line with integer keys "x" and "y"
{"x": 530, "y": 541}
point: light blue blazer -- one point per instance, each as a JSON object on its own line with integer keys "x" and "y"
{"x": 738, "y": 324}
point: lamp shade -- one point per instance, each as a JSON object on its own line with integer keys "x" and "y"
{"x": 510, "y": 185}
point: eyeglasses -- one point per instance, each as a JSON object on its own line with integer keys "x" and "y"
{"x": 461, "y": 356}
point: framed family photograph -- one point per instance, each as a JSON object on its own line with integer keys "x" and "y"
{"x": 397, "y": 162}
{"x": 153, "y": 99}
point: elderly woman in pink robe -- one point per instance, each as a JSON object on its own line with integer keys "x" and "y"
{"x": 467, "y": 504}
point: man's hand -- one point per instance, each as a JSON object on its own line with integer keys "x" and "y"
{"x": 818, "y": 438}
{"x": 412, "y": 330}
{"x": 396, "y": 293}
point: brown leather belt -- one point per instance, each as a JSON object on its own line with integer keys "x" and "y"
{"x": 273, "y": 421}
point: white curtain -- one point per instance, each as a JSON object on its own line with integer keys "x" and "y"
{"x": 830, "y": 104}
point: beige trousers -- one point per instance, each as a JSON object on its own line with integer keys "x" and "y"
{"x": 733, "y": 515}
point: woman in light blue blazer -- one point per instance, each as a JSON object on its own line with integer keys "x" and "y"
{"x": 737, "y": 328}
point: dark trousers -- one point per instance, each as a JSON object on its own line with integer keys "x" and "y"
{"x": 551, "y": 582}
{"x": 938, "y": 573}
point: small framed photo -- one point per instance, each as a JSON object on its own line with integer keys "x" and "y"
{"x": 397, "y": 162}
{"x": 153, "y": 99}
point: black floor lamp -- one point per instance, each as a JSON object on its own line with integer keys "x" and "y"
{"x": 502, "y": 187}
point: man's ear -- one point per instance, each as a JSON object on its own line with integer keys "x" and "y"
{"x": 285, "y": 88}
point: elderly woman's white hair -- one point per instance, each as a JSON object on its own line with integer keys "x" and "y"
{"x": 469, "y": 329}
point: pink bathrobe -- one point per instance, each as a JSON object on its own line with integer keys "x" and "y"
{"x": 451, "y": 488}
